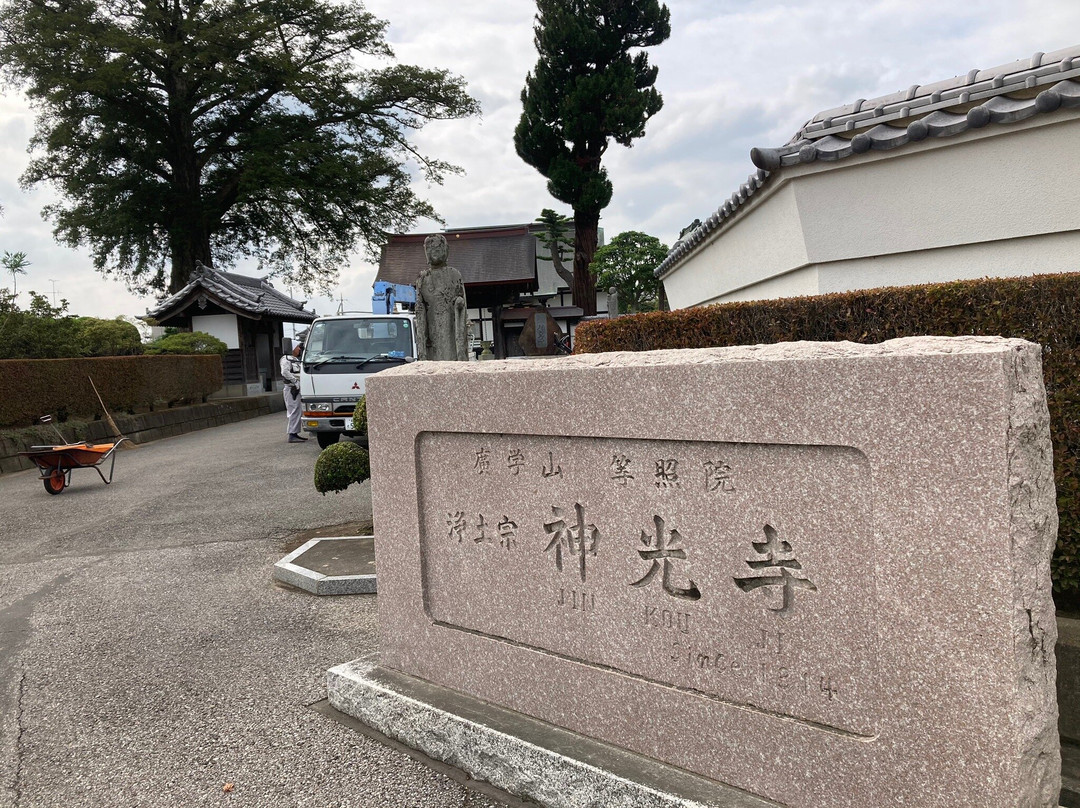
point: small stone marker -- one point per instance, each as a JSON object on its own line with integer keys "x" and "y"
{"x": 819, "y": 573}
{"x": 538, "y": 336}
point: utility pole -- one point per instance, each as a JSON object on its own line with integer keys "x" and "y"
{"x": 53, "y": 282}
{"x": 341, "y": 304}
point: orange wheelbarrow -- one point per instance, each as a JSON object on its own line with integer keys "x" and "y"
{"x": 57, "y": 462}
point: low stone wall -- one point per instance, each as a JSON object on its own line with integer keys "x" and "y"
{"x": 140, "y": 428}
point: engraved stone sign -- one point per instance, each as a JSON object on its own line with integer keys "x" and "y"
{"x": 645, "y": 570}
{"x": 816, "y": 572}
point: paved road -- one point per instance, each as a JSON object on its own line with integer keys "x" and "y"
{"x": 146, "y": 656}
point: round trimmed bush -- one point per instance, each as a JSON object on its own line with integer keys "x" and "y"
{"x": 341, "y": 465}
{"x": 188, "y": 342}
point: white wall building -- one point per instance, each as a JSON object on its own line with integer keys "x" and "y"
{"x": 976, "y": 176}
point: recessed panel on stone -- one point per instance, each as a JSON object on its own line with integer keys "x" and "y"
{"x": 705, "y": 566}
{"x": 818, "y": 573}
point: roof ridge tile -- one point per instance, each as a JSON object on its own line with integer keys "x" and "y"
{"x": 817, "y": 140}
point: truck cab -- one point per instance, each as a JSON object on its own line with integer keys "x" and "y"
{"x": 341, "y": 351}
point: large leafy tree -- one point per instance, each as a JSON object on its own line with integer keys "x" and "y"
{"x": 627, "y": 263}
{"x": 592, "y": 84}
{"x": 179, "y": 131}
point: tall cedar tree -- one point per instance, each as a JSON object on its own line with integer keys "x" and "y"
{"x": 179, "y": 131}
{"x": 586, "y": 90}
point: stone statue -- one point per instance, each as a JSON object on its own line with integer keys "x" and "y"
{"x": 441, "y": 322}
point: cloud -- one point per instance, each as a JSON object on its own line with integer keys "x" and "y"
{"x": 735, "y": 74}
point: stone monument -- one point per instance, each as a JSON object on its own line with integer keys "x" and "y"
{"x": 441, "y": 321}
{"x": 538, "y": 336}
{"x": 815, "y": 573}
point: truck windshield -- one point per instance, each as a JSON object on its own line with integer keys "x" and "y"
{"x": 357, "y": 340}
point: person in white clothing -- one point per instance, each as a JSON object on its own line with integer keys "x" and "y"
{"x": 290, "y": 372}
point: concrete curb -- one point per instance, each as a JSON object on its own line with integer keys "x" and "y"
{"x": 525, "y": 757}
{"x": 318, "y": 583}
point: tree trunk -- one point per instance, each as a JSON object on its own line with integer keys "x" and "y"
{"x": 189, "y": 246}
{"x": 189, "y": 235}
{"x": 567, "y": 275}
{"x": 586, "y": 224}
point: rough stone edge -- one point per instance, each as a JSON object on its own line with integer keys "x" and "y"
{"x": 1033, "y": 534}
{"x": 347, "y": 585}
{"x": 510, "y": 763}
{"x": 315, "y": 582}
{"x": 772, "y": 352}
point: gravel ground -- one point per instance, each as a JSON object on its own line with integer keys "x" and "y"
{"x": 146, "y": 656}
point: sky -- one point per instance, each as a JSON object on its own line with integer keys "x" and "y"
{"x": 734, "y": 74}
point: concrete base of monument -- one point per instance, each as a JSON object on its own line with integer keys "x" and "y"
{"x": 340, "y": 565}
{"x": 520, "y": 755}
{"x": 1070, "y": 775}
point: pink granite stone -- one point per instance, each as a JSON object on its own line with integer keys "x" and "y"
{"x": 816, "y": 572}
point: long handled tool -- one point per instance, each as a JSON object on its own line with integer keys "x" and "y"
{"x": 48, "y": 421}
{"x": 108, "y": 418}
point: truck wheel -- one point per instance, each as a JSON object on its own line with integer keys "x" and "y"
{"x": 327, "y": 438}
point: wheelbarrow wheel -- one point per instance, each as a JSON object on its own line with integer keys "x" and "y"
{"x": 55, "y": 482}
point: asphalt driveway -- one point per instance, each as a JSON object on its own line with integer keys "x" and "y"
{"x": 146, "y": 656}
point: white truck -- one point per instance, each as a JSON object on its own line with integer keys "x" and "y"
{"x": 341, "y": 351}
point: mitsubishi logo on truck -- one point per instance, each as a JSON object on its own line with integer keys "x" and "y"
{"x": 356, "y": 385}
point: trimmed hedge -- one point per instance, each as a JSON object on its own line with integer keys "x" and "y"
{"x": 1043, "y": 309}
{"x": 36, "y": 387}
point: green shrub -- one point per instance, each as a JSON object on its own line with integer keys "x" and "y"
{"x": 42, "y": 331}
{"x": 339, "y": 466}
{"x": 187, "y": 342}
{"x": 107, "y": 337}
{"x": 1042, "y": 309}
{"x": 359, "y": 416}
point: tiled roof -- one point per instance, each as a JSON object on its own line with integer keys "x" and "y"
{"x": 255, "y": 296}
{"x": 482, "y": 256}
{"x": 999, "y": 95}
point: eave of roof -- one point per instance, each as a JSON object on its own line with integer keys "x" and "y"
{"x": 1000, "y": 95}
{"x": 251, "y": 297}
{"x": 484, "y": 256}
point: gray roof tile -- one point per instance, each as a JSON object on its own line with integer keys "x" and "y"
{"x": 1001, "y": 95}
{"x": 254, "y": 296}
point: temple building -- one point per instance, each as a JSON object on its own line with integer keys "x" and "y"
{"x": 245, "y": 313}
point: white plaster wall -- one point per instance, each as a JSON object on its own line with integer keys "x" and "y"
{"x": 763, "y": 242}
{"x": 222, "y": 326}
{"x": 1001, "y": 201}
{"x": 548, "y": 281}
{"x": 804, "y": 281}
{"x": 1010, "y": 182}
{"x": 1034, "y": 255}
